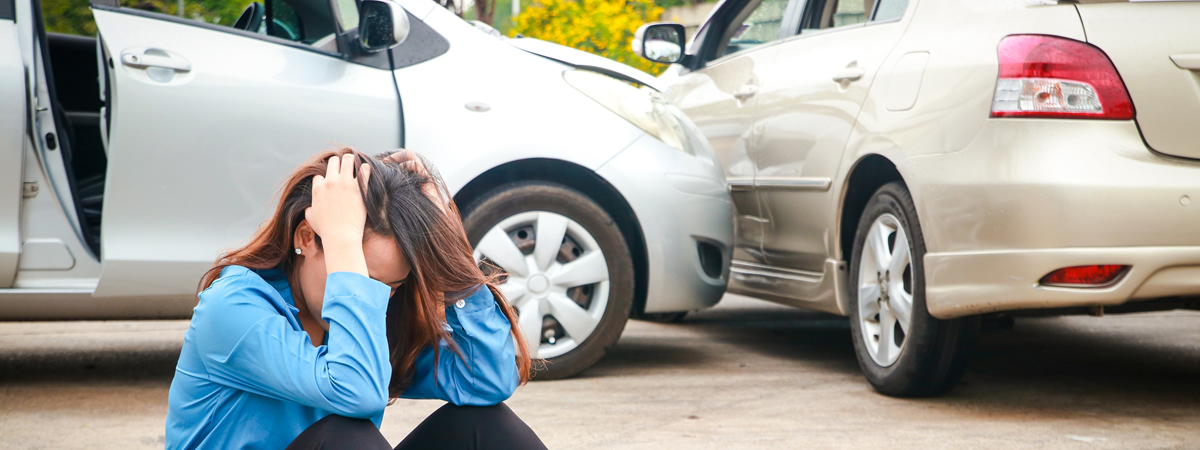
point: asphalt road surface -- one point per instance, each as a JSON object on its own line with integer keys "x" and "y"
{"x": 746, "y": 374}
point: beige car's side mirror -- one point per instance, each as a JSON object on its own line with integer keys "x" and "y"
{"x": 661, "y": 42}
{"x": 382, "y": 24}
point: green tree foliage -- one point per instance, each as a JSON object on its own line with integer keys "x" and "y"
{"x": 602, "y": 27}
{"x": 75, "y": 17}
{"x": 673, "y": 3}
{"x": 68, "y": 16}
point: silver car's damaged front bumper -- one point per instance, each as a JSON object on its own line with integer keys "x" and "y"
{"x": 1028, "y": 197}
{"x": 682, "y": 204}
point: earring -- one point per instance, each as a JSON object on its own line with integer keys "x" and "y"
{"x": 297, "y": 251}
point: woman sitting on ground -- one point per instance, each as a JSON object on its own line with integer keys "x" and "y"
{"x": 359, "y": 290}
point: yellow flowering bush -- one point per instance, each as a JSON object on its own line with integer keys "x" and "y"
{"x": 602, "y": 27}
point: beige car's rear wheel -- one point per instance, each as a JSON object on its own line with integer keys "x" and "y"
{"x": 902, "y": 350}
{"x": 885, "y": 290}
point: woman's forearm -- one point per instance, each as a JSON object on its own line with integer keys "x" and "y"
{"x": 486, "y": 373}
{"x": 344, "y": 254}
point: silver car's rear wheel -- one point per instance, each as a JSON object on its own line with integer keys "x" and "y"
{"x": 557, "y": 277}
{"x": 565, "y": 268}
{"x": 885, "y": 290}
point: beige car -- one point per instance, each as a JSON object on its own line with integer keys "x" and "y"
{"x": 919, "y": 164}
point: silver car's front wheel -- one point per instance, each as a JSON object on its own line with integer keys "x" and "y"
{"x": 885, "y": 295}
{"x": 566, "y": 270}
{"x": 557, "y": 277}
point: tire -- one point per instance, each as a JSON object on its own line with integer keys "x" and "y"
{"x": 929, "y": 357}
{"x": 515, "y": 213}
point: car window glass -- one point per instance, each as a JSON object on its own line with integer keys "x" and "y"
{"x": 758, "y": 23}
{"x": 889, "y": 10}
{"x": 849, "y": 12}
{"x": 310, "y": 22}
{"x": 8, "y": 9}
{"x": 213, "y": 12}
{"x": 347, "y": 14}
{"x": 826, "y": 14}
{"x": 282, "y": 21}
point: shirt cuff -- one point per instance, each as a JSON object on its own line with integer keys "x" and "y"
{"x": 350, "y": 284}
{"x": 480, "y": 300}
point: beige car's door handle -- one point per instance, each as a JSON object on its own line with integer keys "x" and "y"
{"x": 746, "y": 92}
{"x": 849, "y": 74}
{"x": 1189, "y": 61}
{"x": 149, "y": 57}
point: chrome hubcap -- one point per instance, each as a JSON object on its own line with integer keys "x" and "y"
{"x": 885, "y": 290}
{"x": 556, "y": 278}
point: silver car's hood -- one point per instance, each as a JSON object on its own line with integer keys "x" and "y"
{"x": 586, "y": 61}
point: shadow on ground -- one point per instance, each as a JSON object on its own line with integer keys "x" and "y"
{"x": 91, "y": 365}
{"x": 1061, "y": 368}
{"x": 1122, "y": 366}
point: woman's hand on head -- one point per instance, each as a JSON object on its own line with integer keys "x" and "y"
{"x": 408, "y": 160}
{"x": 338, "y": 215}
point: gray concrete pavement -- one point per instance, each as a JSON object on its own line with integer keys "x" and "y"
{"x": 746, "y": 374}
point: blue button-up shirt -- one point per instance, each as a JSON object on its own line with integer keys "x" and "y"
{"x": 250, "y": 377}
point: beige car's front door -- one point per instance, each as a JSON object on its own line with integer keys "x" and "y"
{"x": 720, "y": 97}
{"x": 808, "y": 103}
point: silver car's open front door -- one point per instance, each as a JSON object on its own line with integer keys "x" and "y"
{"x": 12, "y": 134}
{"x": 206, "y": 123}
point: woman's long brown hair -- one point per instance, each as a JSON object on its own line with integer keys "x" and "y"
{"x": 430, "y": 236}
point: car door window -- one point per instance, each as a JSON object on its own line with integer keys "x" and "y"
{"x": 849, "y": 12}
{"x": 889, "y": 10}
{"x": 309, "y": 22}
{"x": 756, "y": 24}
{"x": 826, "y": 14}
{"x": 283, "y": 22}
{"x": 347, "y": 14}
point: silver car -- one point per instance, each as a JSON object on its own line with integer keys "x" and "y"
{"x": 915, "y": 164}
{"x": 130, "y": 161}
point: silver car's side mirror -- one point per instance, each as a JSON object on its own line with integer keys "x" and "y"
{"x": 660, "y": 42}
{"x": 382, "y": 24}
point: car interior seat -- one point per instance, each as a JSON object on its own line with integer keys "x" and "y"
{"x": 75, "y": 95}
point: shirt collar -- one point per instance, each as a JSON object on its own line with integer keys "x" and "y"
{"x": 278, "y": 280}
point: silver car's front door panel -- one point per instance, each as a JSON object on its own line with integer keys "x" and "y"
{"x": 12, "y": 132}
{"x": 721, "y": 99}
{"x": 810, "y": 101}
{"x": 201, "y": 140}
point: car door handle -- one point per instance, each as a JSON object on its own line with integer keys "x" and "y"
{"x": 849, "y": 74}
{"x": 143, "y": 58}
{"x": 746, "y": 92}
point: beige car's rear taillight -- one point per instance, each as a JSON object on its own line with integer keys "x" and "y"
{"x": 1049, "y": 76}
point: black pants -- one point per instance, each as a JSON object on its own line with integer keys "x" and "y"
{"x": 450, "y": 427}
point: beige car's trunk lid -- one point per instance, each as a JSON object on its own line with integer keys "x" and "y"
{"x": 1156, "y": 48}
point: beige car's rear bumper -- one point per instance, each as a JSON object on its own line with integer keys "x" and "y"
{"x": 1028, "y": 197}
{"x": 959, "y": 284}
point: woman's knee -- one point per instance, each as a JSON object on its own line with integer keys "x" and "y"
{"x": 499, "y": 411}
{"x": 340, "y": 432}
{"x": 494, "y": 424}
